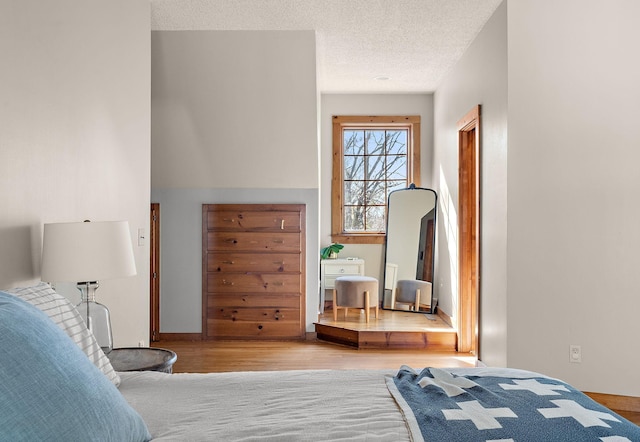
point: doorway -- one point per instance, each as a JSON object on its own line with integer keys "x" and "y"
{"x": 469, "y": 231}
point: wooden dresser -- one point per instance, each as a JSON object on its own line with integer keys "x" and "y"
{"x": 253, "y": 271}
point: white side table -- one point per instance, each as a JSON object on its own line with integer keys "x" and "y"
{"x": 330, "y": 269}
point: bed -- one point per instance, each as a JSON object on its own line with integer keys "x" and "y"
{"x": 54, "y": 385}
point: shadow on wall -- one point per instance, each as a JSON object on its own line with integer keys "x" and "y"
{"x": 20, "y": 258}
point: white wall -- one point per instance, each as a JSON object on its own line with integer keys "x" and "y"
{"x": 75, "y": 142}
{"x": 234, "y": 109}
{"x": 234, "y": 120}
{"x": 480, "y": 77}
{"x": 574, "y": 189}
{"x": 369, "y": 104}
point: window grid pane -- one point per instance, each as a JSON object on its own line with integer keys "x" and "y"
{"x": 375, "y": 163}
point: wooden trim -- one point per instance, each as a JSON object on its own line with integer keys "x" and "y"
{"x": 382, "y": 120}
{"x": 205, "y": 211}
{"x": 470, "y": 120}
{"x": 446, "y": 318}
{"x": 337, "y": 210}
{"x": 469, "y": 230}
{"x": 154, "y": 273}
{"x": 414, "y": 161}
{"x": 303, "y": 268}
{"x": 180, "y": 337}
{"x": 616, "y": 402}
{"x": 359, "y": 238}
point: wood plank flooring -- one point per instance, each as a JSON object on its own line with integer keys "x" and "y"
{"x": 224, "y": 356}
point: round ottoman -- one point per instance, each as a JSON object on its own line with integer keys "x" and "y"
{"x": 355, "y": 292}
{"x": 413, "y": 293}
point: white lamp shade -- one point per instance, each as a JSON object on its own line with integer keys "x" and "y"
{"x": 87, "y": 251}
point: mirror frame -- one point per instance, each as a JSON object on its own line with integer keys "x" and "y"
{"x": 434, "y": 298}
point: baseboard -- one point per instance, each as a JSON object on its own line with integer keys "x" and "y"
{"x": 616, "y": 402}
{"x": 446, "y": 318}
{"x": 180, "y": 336}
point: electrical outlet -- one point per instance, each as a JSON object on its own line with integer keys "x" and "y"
{"x": 140, "y": 343}
{"x": 575, "y": 353}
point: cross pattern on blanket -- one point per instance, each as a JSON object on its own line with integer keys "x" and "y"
{"x": 610, "y": 439}
{"x": 588, "y": 418}
{"x": 442, "y": 406}
{"x": 482, "y": 418}
{"x": 535, "y": 386}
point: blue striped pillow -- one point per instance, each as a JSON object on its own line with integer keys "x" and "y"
{"x": 65, "y": 315}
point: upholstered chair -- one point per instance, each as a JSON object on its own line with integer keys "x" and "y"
{"x": 355, "y": 292}
{"x": 413, "y": 293}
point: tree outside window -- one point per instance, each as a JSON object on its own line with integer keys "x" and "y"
{"x": 373, "y": 156}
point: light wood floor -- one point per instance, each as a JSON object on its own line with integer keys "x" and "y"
{"x": 223, "y": 356}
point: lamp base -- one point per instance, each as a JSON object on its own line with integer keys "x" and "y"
{"x": 95, "y": 315}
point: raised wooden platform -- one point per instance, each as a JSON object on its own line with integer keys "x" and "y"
{"x": 393, "y": 329}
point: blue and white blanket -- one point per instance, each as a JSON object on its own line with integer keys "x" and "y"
{"x": 489, "y": 404}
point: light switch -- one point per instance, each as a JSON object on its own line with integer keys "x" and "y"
{"x": 140, "y": 236}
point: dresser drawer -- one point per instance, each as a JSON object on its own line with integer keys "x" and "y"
{"x": 245, "y": 262}
{"x": 253, "y": 283}
{"x": 252, "y": 300}
{"x": 230, "y": 329}
{"x": 254, "y": 314}
{"x": 253, "y": 220}
{"x": 343, "y": 269}
{"x": 253, "y": 242}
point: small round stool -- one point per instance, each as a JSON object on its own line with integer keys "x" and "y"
{"x": 356, "y": 292}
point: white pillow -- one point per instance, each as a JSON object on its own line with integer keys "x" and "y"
{"x": 65, "y": 315}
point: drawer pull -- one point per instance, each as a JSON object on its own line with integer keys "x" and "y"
{"x": 228, "y": 262}
{"x": 225, "y": 282}
{"x": 341, "y": 270}
{"x": 280, "y": 263}
{"x": 279, "y": 284}
{"x": 281, "y": 224}
{"x": 278, "y": 241}
{"x": 231, "y": 240}
{"x": 229, "y": 220}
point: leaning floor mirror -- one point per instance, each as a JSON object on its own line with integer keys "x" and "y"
{"x": 410, "y": 250}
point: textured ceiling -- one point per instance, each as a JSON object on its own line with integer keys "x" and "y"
{"x": 412, "y": 42}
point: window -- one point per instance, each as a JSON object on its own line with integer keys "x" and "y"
{"x": 372, "y": 156}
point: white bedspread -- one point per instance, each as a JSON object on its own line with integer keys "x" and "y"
{"x": 310, "y": 405}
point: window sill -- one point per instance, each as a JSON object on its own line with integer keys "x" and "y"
{"x": 359, "y": 238}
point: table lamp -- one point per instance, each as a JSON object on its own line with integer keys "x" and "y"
{"x": 85, "y": 252}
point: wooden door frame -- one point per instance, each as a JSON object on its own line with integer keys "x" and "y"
{"x": 154, "y": 274}
{"x": 469, "y": 231}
